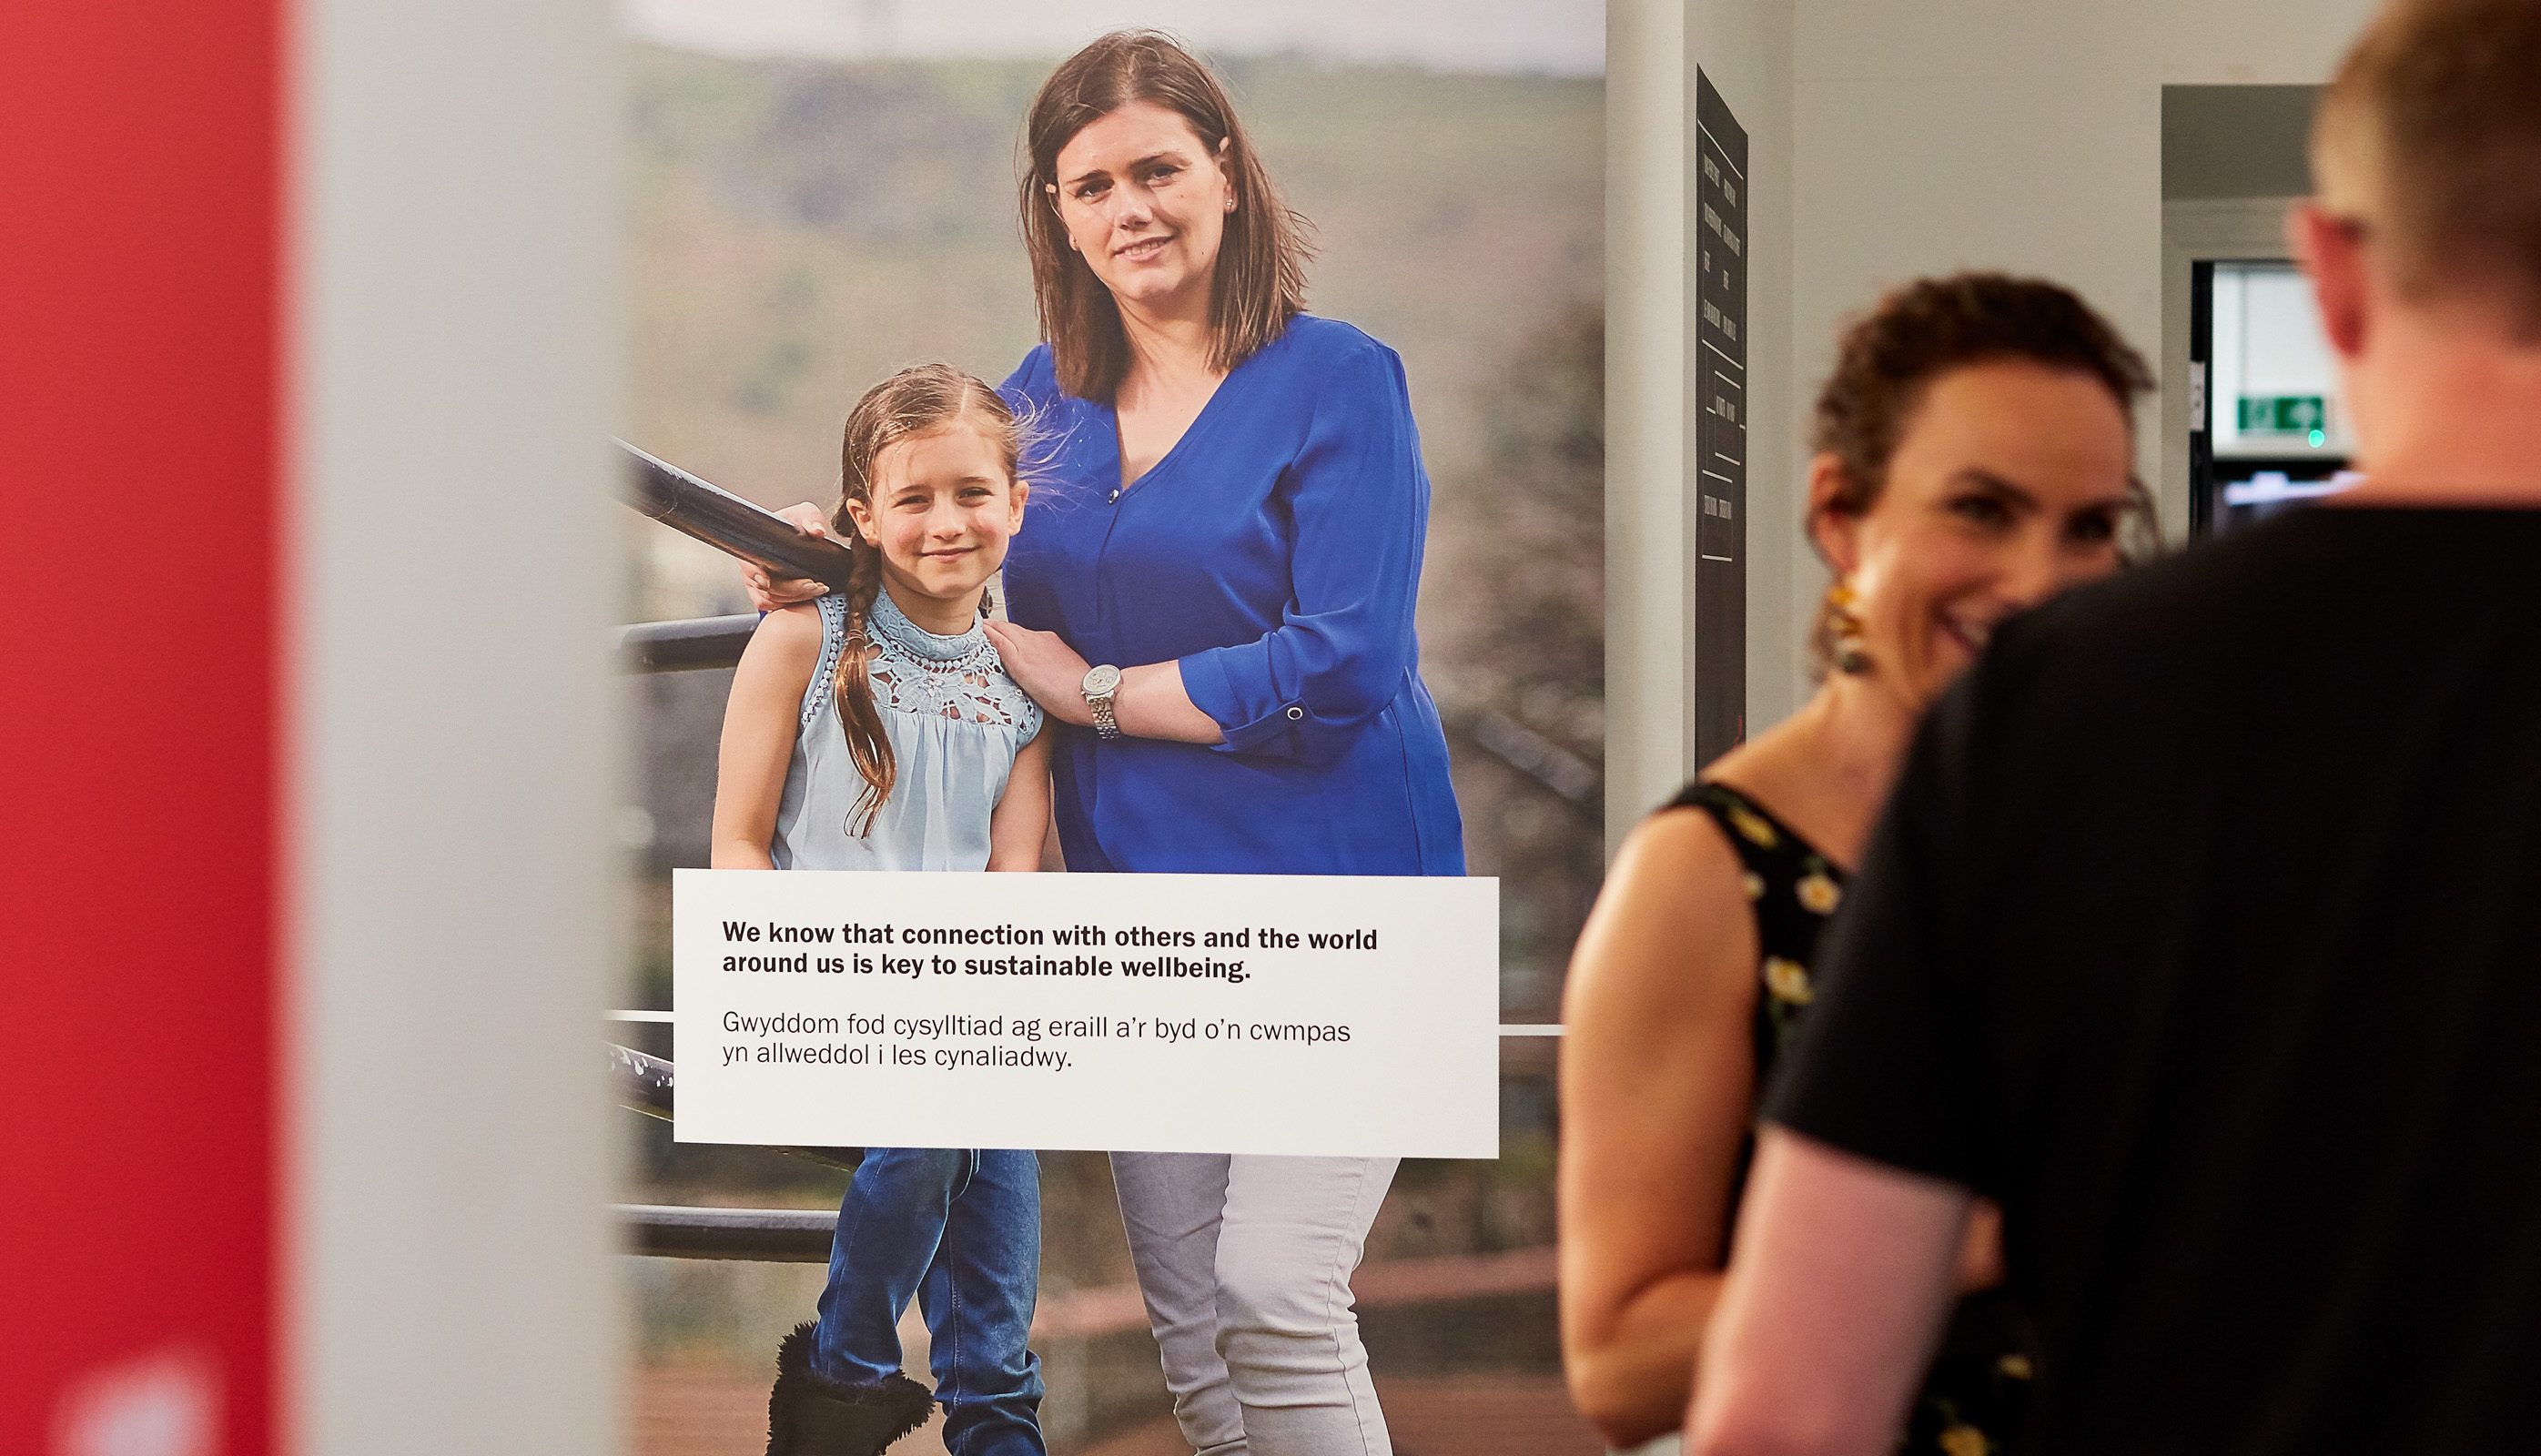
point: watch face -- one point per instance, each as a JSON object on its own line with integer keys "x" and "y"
{"x": 1100, "y": 681}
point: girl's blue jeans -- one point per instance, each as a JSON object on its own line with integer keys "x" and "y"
{"x": 960, "y": 1230}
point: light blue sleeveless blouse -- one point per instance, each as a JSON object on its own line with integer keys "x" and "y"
{"x": 956, "y": 722}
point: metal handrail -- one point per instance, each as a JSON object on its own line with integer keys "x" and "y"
{"x": 687, "y": 504}
{"x": 767, "y": 1235}
{"x": 685, "y": 647}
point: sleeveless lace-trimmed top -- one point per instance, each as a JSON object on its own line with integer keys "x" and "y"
{"x": 954, "y": 721}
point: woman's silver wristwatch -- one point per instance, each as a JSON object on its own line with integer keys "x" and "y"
{"x": 1099, "y": 684}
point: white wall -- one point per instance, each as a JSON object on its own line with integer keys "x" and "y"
{"x": 454, "y": 724}
{"x": 1649, "y": 114}
{"x": 1889, "y": 141}
{"x": 2018, "y": 135}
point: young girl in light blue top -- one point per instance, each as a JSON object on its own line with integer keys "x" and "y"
{"x": 875, "y": 728}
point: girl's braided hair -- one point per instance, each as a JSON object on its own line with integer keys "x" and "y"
{"x": 918, "y": 400}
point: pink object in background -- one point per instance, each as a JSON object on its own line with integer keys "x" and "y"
{"x": 161, "y": 1405}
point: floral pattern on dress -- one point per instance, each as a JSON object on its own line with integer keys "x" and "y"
{"x": 1818, "y": 893}
{"x": 1972, "y": 1401}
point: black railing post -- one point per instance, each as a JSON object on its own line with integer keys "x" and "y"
{"x": 683, "y": 646}
{"x": 769, "y": 1235}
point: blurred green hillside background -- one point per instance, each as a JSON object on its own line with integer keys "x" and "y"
{"x": 800, "y": 229}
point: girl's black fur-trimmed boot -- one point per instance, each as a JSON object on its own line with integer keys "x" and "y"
{"x": 809, "y": 1415}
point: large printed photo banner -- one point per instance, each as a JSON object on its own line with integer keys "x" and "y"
{"x": 1307, "y": 1015}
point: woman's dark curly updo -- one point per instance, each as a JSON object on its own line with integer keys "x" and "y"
{"x": 1889, "y": 358}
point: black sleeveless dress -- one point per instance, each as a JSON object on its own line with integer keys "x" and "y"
{"x": 1973, "y": 1401}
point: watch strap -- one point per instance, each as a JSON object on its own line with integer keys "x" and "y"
{"x": 1098, "y": 703}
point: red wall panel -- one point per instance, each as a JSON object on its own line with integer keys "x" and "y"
{"x": 140, "y": 289}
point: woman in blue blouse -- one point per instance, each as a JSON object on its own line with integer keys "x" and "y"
{"x": 1214, "y": 596}
{"x": 1234, "y": 510}
{"x": 1255, "y": 587}
{"x": 1216, "y": 592}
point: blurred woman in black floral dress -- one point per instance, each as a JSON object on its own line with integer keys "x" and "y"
{"x": 1971, "y": 457}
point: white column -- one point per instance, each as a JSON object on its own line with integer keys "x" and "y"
{"x": 1649, "y": 93}
{"x": 452, "y": 391}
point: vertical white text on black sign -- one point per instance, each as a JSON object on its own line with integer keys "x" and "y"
{"x": 1719, "y": 402}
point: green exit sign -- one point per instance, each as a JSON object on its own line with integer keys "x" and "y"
{"x": 2284, "y": 414}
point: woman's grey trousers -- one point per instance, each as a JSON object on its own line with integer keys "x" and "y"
{"x": 1245, "y": 1264}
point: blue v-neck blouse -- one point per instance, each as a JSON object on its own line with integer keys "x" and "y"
{"x": 1275, "y": 553}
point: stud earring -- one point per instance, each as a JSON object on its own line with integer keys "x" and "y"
{"x": 1844, "y": 631}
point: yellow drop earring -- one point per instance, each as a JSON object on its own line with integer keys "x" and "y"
{"x": 1844, "y": 630}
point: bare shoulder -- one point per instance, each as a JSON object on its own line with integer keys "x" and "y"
{"x": 1671, "y": 930}
{"x": 784, "y": 650}
{"x": 1681, "y": 855}
{"x": 791, "y": 630}
{"x": 1679, "y": 876}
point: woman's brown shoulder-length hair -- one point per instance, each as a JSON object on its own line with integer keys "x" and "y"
{"x": 1261, "y": 281}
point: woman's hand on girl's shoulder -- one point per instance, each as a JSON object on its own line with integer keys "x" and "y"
{"x": 767, "y": 594}
{"x": 1049, "y": 671}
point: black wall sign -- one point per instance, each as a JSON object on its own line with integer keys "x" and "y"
{"x": 1720, "y": 399}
